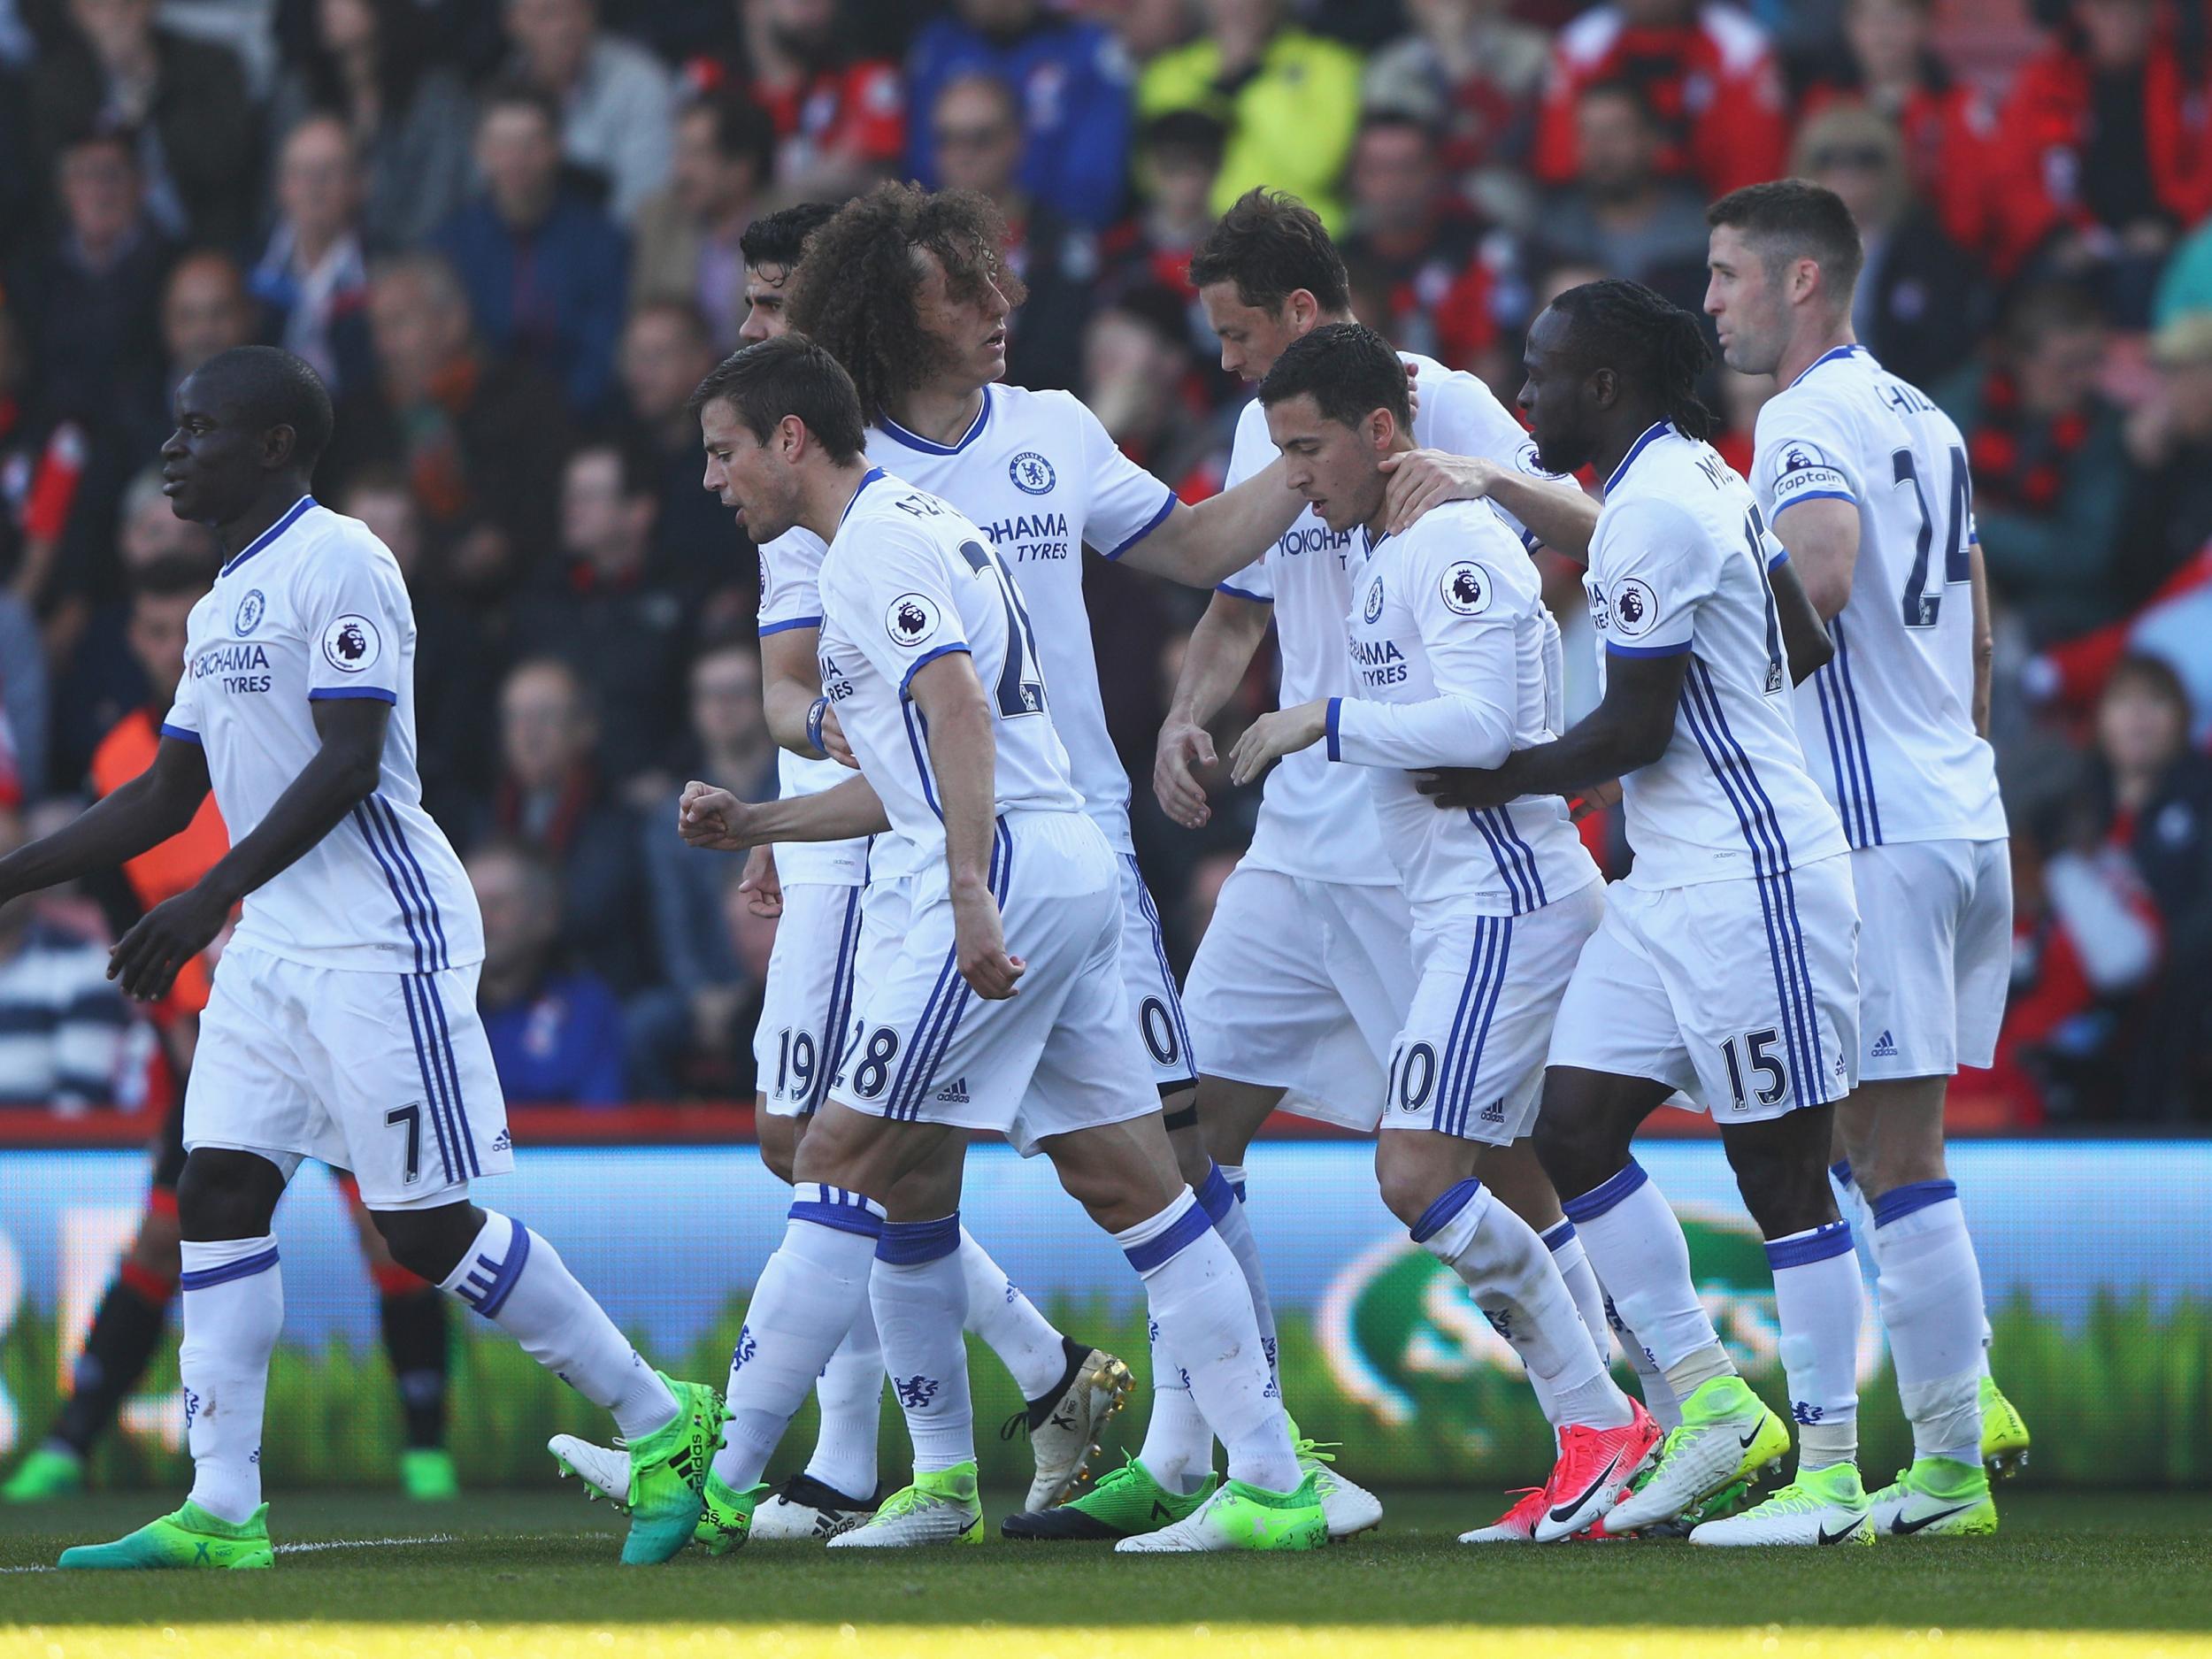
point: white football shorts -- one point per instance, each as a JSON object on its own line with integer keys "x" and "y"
{"x": 1148, "y": 980}
{"x": 809, "y": 1001}
{"x": 1063, "y": 1055}
{"x": 1743, "y": 995}
{"x": 1470, "y": 1061}
{"x": 1935, "y": 954}
{"x": 389, "y": 1075}
{"x": 1302, "y": 985}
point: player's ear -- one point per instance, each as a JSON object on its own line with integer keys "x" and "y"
{"x": 277, "y": 444}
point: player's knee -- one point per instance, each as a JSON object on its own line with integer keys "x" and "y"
{"x": 430, "y": 1243}
{"x": 1573, "y": 1153}
{"x": 1784, "y": 1196}
{"x": 228, "y": 1195}
{"x": 1407, "y": 1190}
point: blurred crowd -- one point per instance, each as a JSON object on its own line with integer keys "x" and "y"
{"x": 506, "y": 232}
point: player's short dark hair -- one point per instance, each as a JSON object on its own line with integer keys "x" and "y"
{"x": 172, "y": 576}
{"x": 1651, "y": 343}
{"x": 272, "y": 388}
{"x": 1271, "y": 244}
{"x": 859, "y": 288}
{"x": 779, "y": 238}
{"x": 788, "y": 375}
{"x": 742, "y": 130}
{"x": 1795, "y": 218}
{"x": 1347, "y": 369}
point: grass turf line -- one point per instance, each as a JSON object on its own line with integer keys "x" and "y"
{"x": 2085, "y": 1565}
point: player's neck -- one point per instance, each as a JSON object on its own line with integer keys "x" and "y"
{"x": 1809, "y": 346}
{"x": 271, "y": 505}
{"x": 827, "y": 494}
{"x": 942, "y": 411}
{"x": 1378, "y": 521}
{"x": 1614, "y": 445}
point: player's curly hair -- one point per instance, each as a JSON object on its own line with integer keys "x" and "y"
{"x": 1652, "y": 343}
{"x": 858, "y": 290}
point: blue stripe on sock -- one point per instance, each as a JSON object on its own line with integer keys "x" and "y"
{"x": 1559, "y": 1238}
{"x": 1435, "y": 1218}
{"x": 1214, "y": 1196}
{"x": 490, "y": 1283}
{"x": 1841, "y": 1170}
{"x": 1156, "y": 1252}
{"x": 1899, "y": 1202}
{"x": 1817, "y": 1245}
{"x": 843, "y": 1217}
{"x": 244, "y": 1267}
{"x": 910, "y": 1243}
{"x": 1603, "y": 1197}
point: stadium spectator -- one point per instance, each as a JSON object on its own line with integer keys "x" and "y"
{"x": 1920, "y": 304}
{"x": 2168, "y": 490}
{"x": 62, "y": 1022}
{"x": 686, "y": 236}
{"x": 372, "y": 63}
{"x": 457, "y": 658}
{"x": 180, "y": 103}
{"x": 2185, "y": 285}
{"x": 1438, "y": 263}
{"x": 614, "y": 99}
{"x": 545, "y": 269}
{"x": 1623, "y": 214}
{"x": 616, "y": 619}
{"x": 665, "y": 353}
{"x": 976, "y": 127}
{"x": 480, "y": 440}
{"x": 1473, "y": 73}
{"x": 2048, "y": 462}
{"x": 1289, "y": 101}
{"x": 840, "y": 113}
{"x": 548, "y": 794}
{"x": 1946, "y": 127}
{"x": 2109, "y": 129}
{"x": 1178, "y": 158}
{"x": 1143, "y": 382}
{"x": 555, "y": 1030}
{"x": 751, "y": 937}
{"x": 731, "y": 747}
{"x": 314, "y": 276}
{"x": 1071, "y": 82}
{"x": 1706, "y": 71}
{"x": 206, "y": 308}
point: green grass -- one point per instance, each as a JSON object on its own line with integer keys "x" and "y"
{"x": 2101, "y": 1562}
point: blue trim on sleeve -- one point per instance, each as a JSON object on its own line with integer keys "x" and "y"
{"x": 1151, "y": 523}
{"x": 929, "y": 657}
{"x": 1781, "y": 558}
{"x": 1235, "y": 592}
{"x": 1336, "y": 705}
{"x": 767, "y": 628}
{"x": 352, "y": 694}
{"x": 1613, "y": 649}
{"x": 180, "y": 734}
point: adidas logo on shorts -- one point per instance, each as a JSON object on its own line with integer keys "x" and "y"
{"x": 1884, "y": 1047}
{"x": 1495, "y": 1113}
{"x": 953, "y": 1094}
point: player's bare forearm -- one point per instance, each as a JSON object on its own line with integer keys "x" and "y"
{"x": 1215, "y": 661}
{"x": 1209, "y": 542}
{"x": 146, "y": 812}
{"x": 840, "y": 814}
{"x": 790, "y": 681}
{"x": 1558, "y": 515}
{"x": 1985, "y": 636}
{"x": 1626, "y": 733}
{"x": 1804, "y": 636}
{"x": 337, "y": 778}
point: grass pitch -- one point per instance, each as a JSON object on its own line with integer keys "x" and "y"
{"x": 534, "y": 1572}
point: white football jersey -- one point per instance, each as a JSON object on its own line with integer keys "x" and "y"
{"x": 1678, "y": 563}
{"x": 1315, "y": 820}
{"x": 1039, "y": 475}
{"x": 907, "y": 580}
{"x": 1895, "y": 711}
{"x": 791, "y": 597}
{"x": 1456, "y": 662}
{"x": 315, "y": 609}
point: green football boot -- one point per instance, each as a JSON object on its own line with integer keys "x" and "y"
{"x": 1124, "y": 1504}
{"x": 940, "y": 1508}
{"x": 1938, "y": 1497}
{"x": 191, "y": 1539}
{"x": 1822, "y": 1506}
{"x": 2004, "y": 1433}
{"x": 1727, "y": 1436}
{"x": 427, "y": 1475}
{"x": 1241, "y": 1517}
{"x": 726, "y": 1521}
{"x": 668, "y": 1473}
{"x": 48, "y": 1472}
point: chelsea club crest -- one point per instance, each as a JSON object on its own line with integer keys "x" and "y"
{"x": 249, "y": 612}
{"x": 1032, "y": 473}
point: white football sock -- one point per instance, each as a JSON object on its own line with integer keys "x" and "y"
{"x": 919, "y": 1293}
{"x": 1641, "y": 1258}
{"x": 1659, "y": 1396}
{"x": 233, "y": 1308}
{"x": 1200, "y": 1300}
{"x": 1931, "y": 1307}
{"x": 1817, "y": 1305}
{"x": 849, "y": 1393}
{"x": 804, "y": 1301}
{"x": 1223, "y": 1183}
{"x": 1572, "y": 1260}
{"x": 515, "y": 1279}
{"x": 1010, "y": 1324}
{"x": 1519, "y": 1288}
{"x": 1178, "y": 1443}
